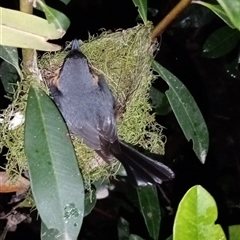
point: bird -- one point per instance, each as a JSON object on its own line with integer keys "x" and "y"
{"x": 88, "y": 107}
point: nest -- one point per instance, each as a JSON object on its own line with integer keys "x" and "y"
{"x": 124, "y": 58}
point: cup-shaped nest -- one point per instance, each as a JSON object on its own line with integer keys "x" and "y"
{"x": 124, "y": 58}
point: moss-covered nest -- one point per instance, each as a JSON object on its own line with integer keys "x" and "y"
{"x": 124, "y": 58}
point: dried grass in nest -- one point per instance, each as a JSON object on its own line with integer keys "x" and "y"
{"x": 124, "y": 57}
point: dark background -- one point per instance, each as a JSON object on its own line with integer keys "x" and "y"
{"x": 215, "y": 91}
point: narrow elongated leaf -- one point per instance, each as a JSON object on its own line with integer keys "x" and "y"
{"x": 186, "y": 111}
{"x": 10, "y": 55}
{"x": 60, "y": 20}
{"x": 89, "y": 202}
{"x": 9, "y": 76}
{"x": 56, "y": 182}
{"x": 123, "y": 229}
{"x": 142, "y": 9}
{"x": 221, "y": 42}
{"x": 149, "y": 206}
{"x": 10, "y": 71}
{"x": 24, "y": 30}
{"x": 196, "y": 216}
{"x": 232, "y": 9}
{"x": 218, "y": 10}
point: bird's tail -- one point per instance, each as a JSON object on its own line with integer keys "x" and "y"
{"x": 142, "y": 170}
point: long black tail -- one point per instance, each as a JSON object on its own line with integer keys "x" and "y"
{"x": 142, "y": 170}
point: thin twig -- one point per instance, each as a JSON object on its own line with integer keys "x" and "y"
{"x": 172, "y": 15}
{"x": 26, "y": 6}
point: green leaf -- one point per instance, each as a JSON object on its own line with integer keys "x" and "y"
{"x": 232, "y": 9}
{"x": 60, "y": 20}
{"x": 218, "y": 10}
{"x": 9, "y": 77}
{"x": 89, "y": 202}
{"x": 149, "y": 206}
{"x": 196, "y": 216}
{"x": 24, "y": 30}
{"x": 159, "y": 102}
{"x": 123, "y": 229}
{"x": 186, "y": 111}
{"x": 9, "y": 69}
{"x": 10, "y": 55}
{"x": 142, "y": 9}
{"x": 234, "y": 232}
{"x": 221, "y": 42}
{"x": 56, "y": 182}
{"x": 134, "y": 237}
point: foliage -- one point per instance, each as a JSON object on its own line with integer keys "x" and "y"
{"x": 196, "y": 216}
{"x": 142, "y": 9}
{"x": 149, "y": 206}
{"x": 47, "y": 146}
{"x": 227, "y": 10}
{"x": 186, "y": 111}
{"x": 31, "y": 31}
{"x": 225, "y": 39}
{"x": 57, "y": 187}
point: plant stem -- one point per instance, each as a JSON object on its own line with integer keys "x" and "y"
{"x": 162, "y": 25}
{"x": 26, "y": 6}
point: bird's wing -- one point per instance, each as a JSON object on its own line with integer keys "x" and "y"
{"x": 107, "y": 129}
{"x": 97, "y": 137}
{"x": 86, "y": 132}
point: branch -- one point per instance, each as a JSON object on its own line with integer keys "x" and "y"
{"x": 26, "y": 6}
{"x": 159, "y": 29}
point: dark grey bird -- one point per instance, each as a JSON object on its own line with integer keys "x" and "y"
{"x": 88, "y": 107}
